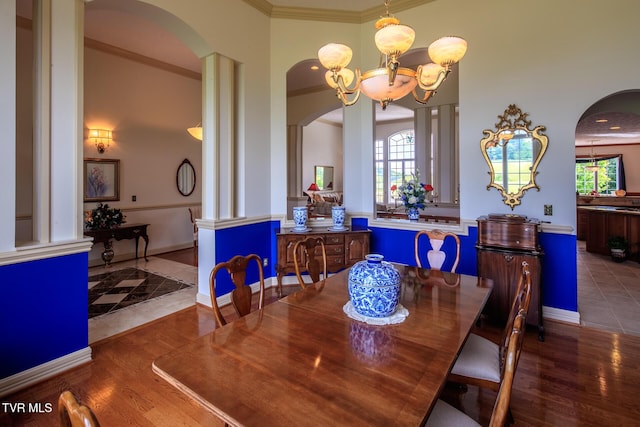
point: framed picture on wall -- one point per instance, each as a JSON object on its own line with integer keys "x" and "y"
{"x": 101, "y": 180}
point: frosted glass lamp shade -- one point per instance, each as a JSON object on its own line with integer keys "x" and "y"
{"x": 375, "y": 84}
{"x": 196, "y": 132}
{"x": 430, "y": 73}
{"x": 335, "y": 56}
{"x": 347, "y": 77}
{"x": 447, "y": 50}
{"x": 394, "y": 39}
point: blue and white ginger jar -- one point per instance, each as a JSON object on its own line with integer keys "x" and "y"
{"x": 374, "y": 287}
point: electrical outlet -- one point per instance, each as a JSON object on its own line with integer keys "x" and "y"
{"x": 265, "y": 262}
{"x": 133, "y": 198}
{"x": 548, "y": 209}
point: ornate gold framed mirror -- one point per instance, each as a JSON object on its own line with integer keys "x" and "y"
{"x": 513, "y": 151}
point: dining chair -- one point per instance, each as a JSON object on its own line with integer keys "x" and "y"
{"x": 435, "y": 256}
{"x": 306, "y": 251}
{"x": 481, "y": 362}
{"x": 242, "y": 295}
{"x": 446, "y": 415}
{"x": 73, "y": 414}
{"x": 194, "y": 213}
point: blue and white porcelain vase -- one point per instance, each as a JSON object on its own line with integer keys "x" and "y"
{"x": 300, "y": 216}
{"x": 374, "y": 287}
{"x": 413, "y": 213}
{"x": 337, "y": 215}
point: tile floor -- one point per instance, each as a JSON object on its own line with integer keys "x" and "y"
{"x": 117, "y": 289}
{"x": 608, "y": 293}
{"x": 115, "y": 322}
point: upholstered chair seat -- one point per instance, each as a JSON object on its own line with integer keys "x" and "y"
{"x": 444, "y": 414}
{"x": 479, "y": 358}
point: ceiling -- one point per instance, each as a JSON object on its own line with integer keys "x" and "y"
{"x": 106, "y": 22}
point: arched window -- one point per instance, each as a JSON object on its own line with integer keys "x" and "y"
{"x": 395, "y": 161}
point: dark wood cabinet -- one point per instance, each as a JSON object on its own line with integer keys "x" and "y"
{"x": 504, "y": 242}
{"x": 344, "y": 248}
{"x": 604, "y": 222}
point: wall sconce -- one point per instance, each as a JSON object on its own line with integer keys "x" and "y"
{"x": 196, "y": 132}
{"x": 100, "y": 137}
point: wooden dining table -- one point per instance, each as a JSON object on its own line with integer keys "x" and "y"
{"x": 301, "y": 361}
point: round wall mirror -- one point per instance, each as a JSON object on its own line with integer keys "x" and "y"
{"x": 186, "y": 178}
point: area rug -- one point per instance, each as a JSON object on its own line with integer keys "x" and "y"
{"x": 114, "y": 290}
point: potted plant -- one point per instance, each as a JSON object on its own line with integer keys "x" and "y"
{"x": 618, "y": 246}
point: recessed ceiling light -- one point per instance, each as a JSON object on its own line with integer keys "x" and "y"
{"x": 315, "y": 67}
{"x": 614, "y": 127}
{"x": 602, "y": 121}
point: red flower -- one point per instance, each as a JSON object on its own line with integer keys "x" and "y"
{"x": 428, "y": 187}
{"x": 394, "y": 187}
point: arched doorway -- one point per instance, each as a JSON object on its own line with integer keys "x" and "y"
{"x": 607, "y": 185}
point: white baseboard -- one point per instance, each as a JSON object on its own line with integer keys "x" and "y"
{"x": 561, "y": 315}
{"x": 42, "y": 372}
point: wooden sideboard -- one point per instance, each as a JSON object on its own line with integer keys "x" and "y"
{"x": 344, "y": 248}
{"x": 504, "y": 242}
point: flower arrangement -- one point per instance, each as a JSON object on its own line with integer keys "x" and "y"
{"x": 103, "y": 217}
{"x": 413, "y": 193}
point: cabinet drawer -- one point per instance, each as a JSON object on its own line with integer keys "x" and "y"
{"x": 335, "y": 262}
{"x": 334, "y": 250}
{"x": 334, "y": 239}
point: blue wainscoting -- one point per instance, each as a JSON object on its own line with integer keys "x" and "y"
{"x": 258, "y": 238}
{"x": 43, "y": 311}
{"x": 398, "y": 246}
{"x": 559, "y": 269}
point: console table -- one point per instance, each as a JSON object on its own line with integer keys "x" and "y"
{"x": 344, "y": 248}
{"x": 125, "y": 231}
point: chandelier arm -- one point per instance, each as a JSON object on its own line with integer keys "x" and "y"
{"x": 427, "y": 95}
{"x": 442, "y": 76}
{"x": 340, "y": 85}
{"x": 342, "y": 96}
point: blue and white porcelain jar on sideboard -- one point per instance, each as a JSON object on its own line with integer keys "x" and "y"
{"x": 300, "y": 216}
{"x": 337, "y": 216}
{"x": 374, "y": 287}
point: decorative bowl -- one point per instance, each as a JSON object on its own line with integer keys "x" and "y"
{"x": 374, "y": 287}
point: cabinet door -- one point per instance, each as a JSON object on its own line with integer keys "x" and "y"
{"x": 357, "y": 246}
{"x": 504, "y": 269}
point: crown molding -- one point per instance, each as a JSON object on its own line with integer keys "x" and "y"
{"x": 152, "y": 62}
{"x": 331, "y": 15}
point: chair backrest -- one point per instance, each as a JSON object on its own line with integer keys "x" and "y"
{"x": 501, "y": 407}
{"x": 194, "y": 213}
{"x": 241, "y": 296}
{"x": 436, "y": 256}
{"x": 312, "y": 253}
{"x": 73, "y": 414}
{"x": 521, "y": 301}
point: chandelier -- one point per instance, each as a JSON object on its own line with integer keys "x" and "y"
{"x": 593, "y": 167}
{"x": 390, "y": 81}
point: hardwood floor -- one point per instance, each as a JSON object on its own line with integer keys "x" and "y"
{"x": 577, "y": 377}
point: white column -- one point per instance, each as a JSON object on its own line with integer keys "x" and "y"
{"x": 67, "y": 32}
{"x": 447, "y": 152}
{"x": 358, "y": 137}
{"x": 8, "y": 125}
{"x": 41, "y": 120}
{"x": 209, "y": 130}
{"x": 225, "y": 82}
